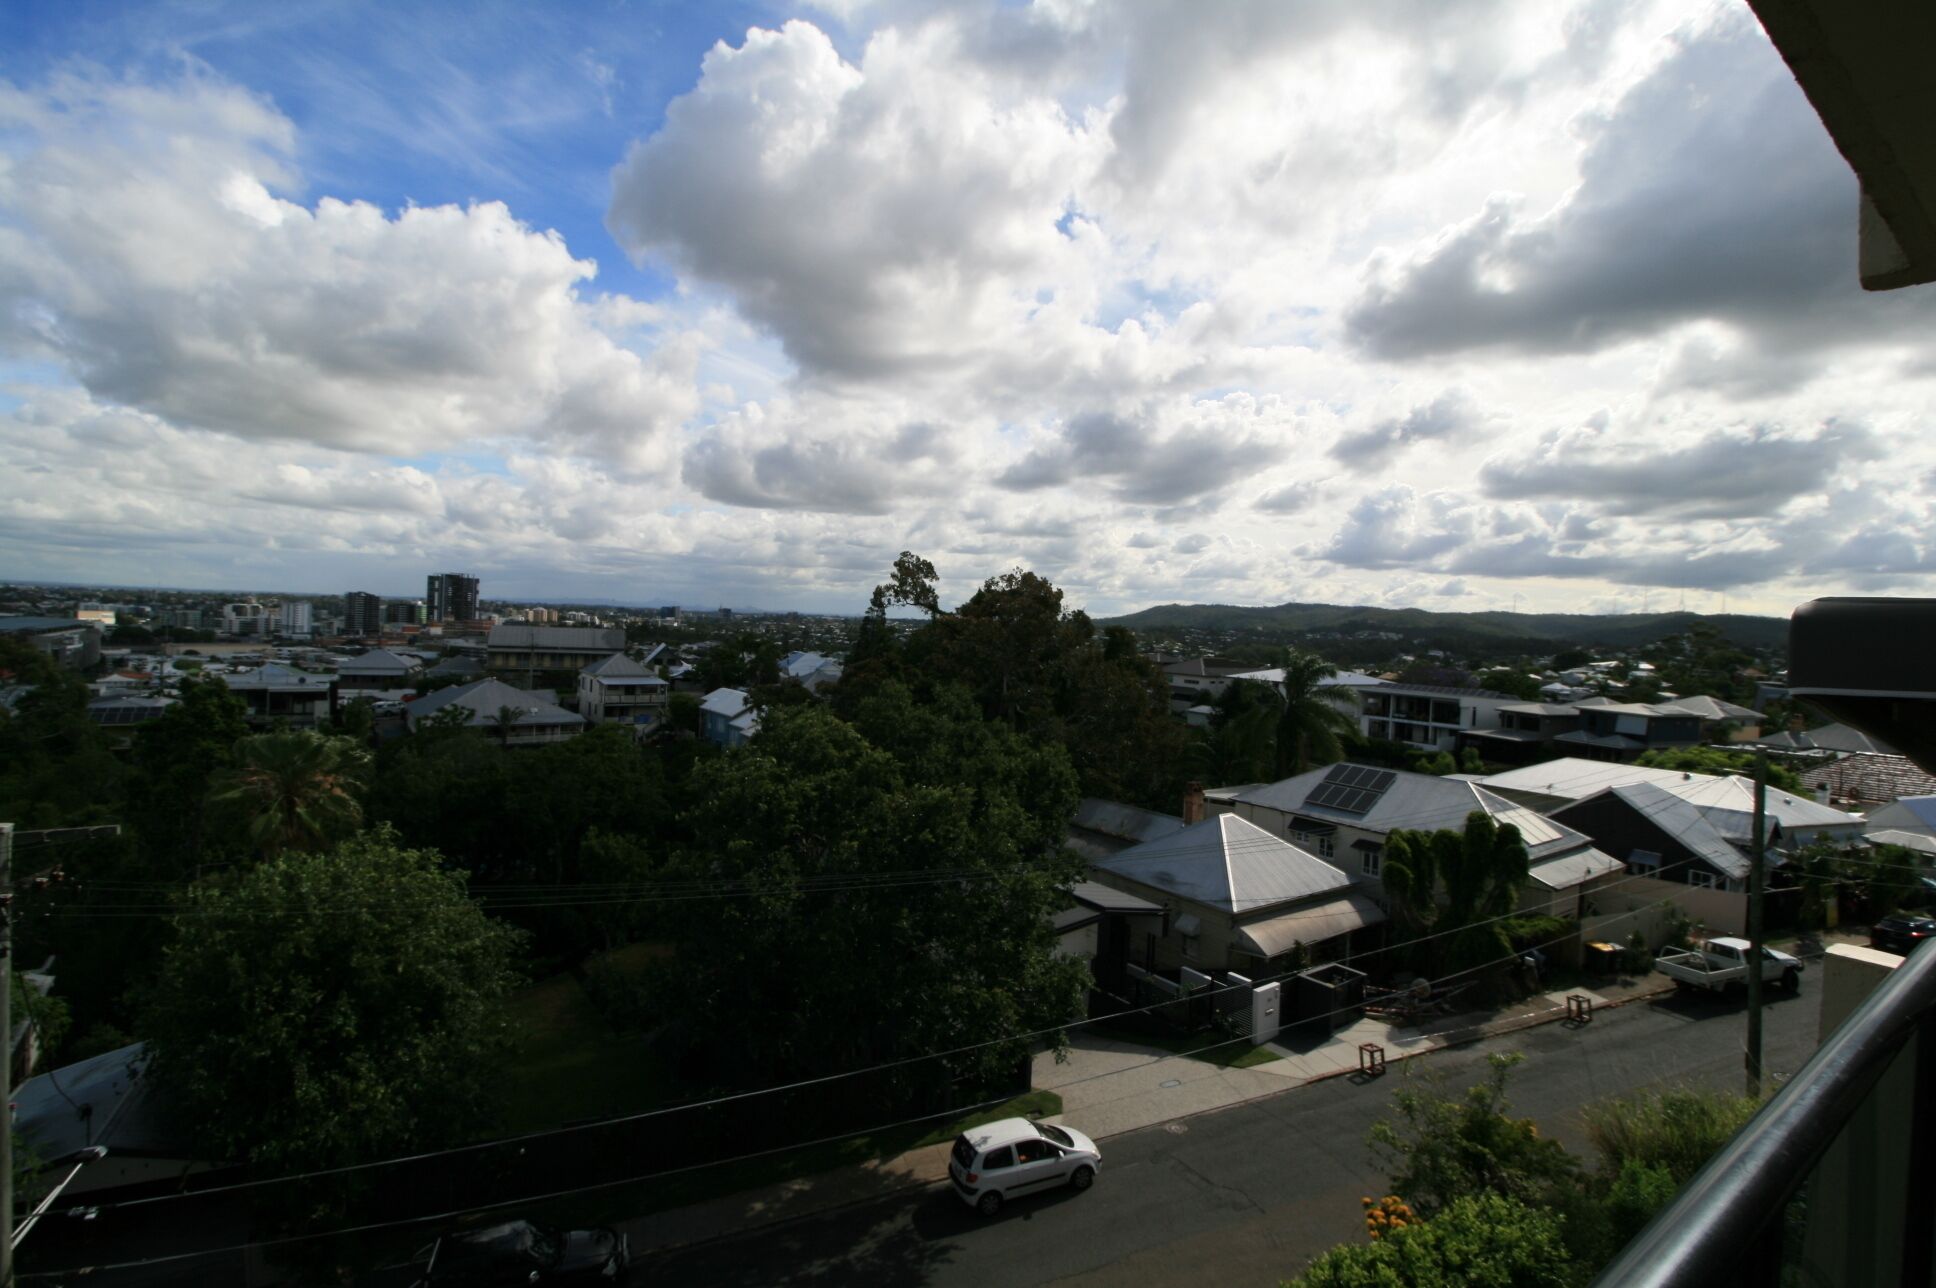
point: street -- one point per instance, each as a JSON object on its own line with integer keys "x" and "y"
{"x": 1246, "y": 1195}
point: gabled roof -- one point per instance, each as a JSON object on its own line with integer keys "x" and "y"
{"x": 1694, "y": 827}
{"x": 1907, "y": 840}
{"x": 1711, "y": 708}
{"x": 1577, "y": 868}
{"x": 1126, "y": 822}
{"x": 485, "y": 698}
{"x": 378, "y": 661}
{"x": 617, "y": 666}
{"x": 521, "y": 635}
{"x": 724, "y": 702}
{"x": 1871, "y": 776}
{"x": 1228, "y": 864}
{"x": 1574, "y": 777}
{"x": 125, "y": 1113}
{"x": 1831, "y": 737}
{"x": 1737, "y": 794}
{"x": 1921, "y": 808}
{"x": 1418, "y": 802}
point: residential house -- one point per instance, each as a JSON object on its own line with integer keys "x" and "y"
{"x": 109, "y": 1101}
{"x": 1109, "y": 929}
{"x": 1868, "y": 780}
{"x": 1343, "y": 690}
{"x": 727, "y": 719}
{"x": 1194, "y": 681}
{"x": 512, "y": 717}
{"x": 1554, "y": 784}
{"x": 1829, "y": 740}
{"x": 73, "y": 643}
{"x": 1913, "y": 814}
{"x": 122, "y": 713}
{"x": 617, "y": 690}
{"x": 812, "y": 670}
{"x": 1432, "y": 717}
{"x": 1101, "y": 828}
{"x": 1689, "y": 856}
{"x": 1628, "y": 730}
{"x": 1526, "y": 731}
{"x": 379, "y": 668}
{"x": 456, "y": 667}
{"x": 274, "y": 692}
{"x": 517, "y": 650}
{"x": 1240, "y": 899}
{"x": 1346, "y": 814}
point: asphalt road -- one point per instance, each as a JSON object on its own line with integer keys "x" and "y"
{"x": 1245, "y": 1195}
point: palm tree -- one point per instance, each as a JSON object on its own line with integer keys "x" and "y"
{"x": 504, "y": 721}
{"x": 298, "y": 790}
{"x": 1308, "y": 728}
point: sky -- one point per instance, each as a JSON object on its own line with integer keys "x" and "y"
{"x": 1461, "y": 306}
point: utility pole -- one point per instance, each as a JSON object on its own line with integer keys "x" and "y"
{"x": 1757, "y": 881}
{"x": 6, "y": 1059}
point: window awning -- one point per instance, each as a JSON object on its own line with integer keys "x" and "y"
{"x": 1312, "y": 826}
{"x": 1311, "y": 925}
{"x": 1362, "y": 844}
{"x": 1189, "y": 924}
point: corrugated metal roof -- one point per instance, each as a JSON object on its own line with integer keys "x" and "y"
{"x": 1130, "y": 822}
{"x": 485, "y": 698}
{"x": 521, "y": 635}
{"x": 1687, "y": 823}
{"x": 1418, "y": 802}
{"x": 1226, "y": 863}
{"x": 724, "y": 702}
{"x": 1273, "y": 936}
{"x": 1577, "y": 868}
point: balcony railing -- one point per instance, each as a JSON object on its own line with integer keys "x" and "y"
{"x": 1833, "y": 1182}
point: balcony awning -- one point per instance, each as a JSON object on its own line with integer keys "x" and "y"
{"x": 1314, "y": 924}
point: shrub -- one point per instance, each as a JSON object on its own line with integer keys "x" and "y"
{"x": 1675, "y": 1130}
{"x": 1484, "y": 1241}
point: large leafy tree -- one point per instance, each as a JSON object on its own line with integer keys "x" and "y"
{"x": 1717, "y": 760}
{"x": 1309, "y": 726}
{"x": 1481, "y": 1242}
{"x": 177, "y": 759}
{"x": 880, "y": 899}
{"x": 295, "y": 791}
{"x": 55, "y": 766}
{"x": 1449, "y": 891}
{"x": 323, "y": 1010}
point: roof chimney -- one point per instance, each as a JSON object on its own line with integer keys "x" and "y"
{"x": 1192, "y": 803}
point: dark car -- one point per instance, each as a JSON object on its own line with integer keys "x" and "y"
{"x": 523, "y": 1253}
{"x": 1900, "y": 934}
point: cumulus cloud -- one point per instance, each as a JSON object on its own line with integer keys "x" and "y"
{"x": 822, "y": 454}
{"x": 149, "y": 254}
{"x": 1752, "y": 471}
{"x": 1708, "y": 191}
{"x": 1451, "y": 415}
{"x": 1156, "y": 458}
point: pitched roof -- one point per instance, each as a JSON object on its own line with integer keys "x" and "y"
{"x": 1125, "y": 822}
{"x": 1447, "y": 691}
{"x": 1577, "y": 868}
{"x": 1700, "y": 831}
{"x": 1871, "y": 777}
{"x": 1907, "y": 840}
{"x": 1711, "y": 708}
{"x": 1736, "y": 794}
{"x": 1921, "y": 808}
{"x": 617, "y": 666}
{"x": 1227, "y": 863}
{"x": 378, "y": 661}
{"x": 1419, "y": 802}
{"x": 127, "y": 1110}
{"x": 724, "y": 702}
{"x": 485, "y": 698}
{"x": 523, "y": 635}
{"x": 1574, "y": 777}
{"x": 1831, "y": 737}
{"x": 274, "y": 675}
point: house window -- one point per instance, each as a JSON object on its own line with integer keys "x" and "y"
{"x": 1373, "y": 857}
{"x": 1699, "y": 879}
{"x": 1327, "y": 847}
{"x": 1645, "y": 863}
{"x": 1190, "y": 943}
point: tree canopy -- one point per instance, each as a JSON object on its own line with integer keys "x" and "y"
{"x": 322, "y": 1010}
{"x": 1480, "y": 871}
{"x": 295, "y": 791}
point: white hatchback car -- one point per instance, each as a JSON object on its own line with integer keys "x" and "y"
{"x": 997, "y": 1161}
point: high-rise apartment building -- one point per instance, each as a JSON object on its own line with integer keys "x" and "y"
{"x": 450, "y": 597}
{"x": 294, "y": 617}
{"x": 404, "y": 612}
{"x": 362, "y": 613}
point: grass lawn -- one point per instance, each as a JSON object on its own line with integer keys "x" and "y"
{"x": 1234, "y": 1053}
{"x": 569, "y": 1065}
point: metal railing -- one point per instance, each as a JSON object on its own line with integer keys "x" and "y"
{"x": 1833, "y": 1182}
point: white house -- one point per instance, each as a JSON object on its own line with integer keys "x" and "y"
{"x": 1428, "y": 716}
{"x": 617, "y": 690}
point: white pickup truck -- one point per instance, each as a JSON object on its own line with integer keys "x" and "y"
{"x": 1722, "y": 964}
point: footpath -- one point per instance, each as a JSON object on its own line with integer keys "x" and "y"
{"x": 1110, "y": 1087}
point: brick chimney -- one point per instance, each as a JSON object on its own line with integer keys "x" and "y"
{"x": 1192, "y": 803}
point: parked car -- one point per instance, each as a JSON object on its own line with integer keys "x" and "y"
{"x": 1722, "y": 964}
{"x": 1902, "y": 932}
{"x": 524, "y": 1253}
{"x": 997, "y": 1161}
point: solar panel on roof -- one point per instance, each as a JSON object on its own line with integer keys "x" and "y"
{"x": 1353, "y": 789}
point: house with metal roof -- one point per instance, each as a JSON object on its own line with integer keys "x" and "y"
{"x": 73, "y": 643}
{"x": 1433, "y": 717}
{"x": 1101, "y": 827}
{"x": 378, "y": 668}
{"x": 1345, "y": 812}
{"x": 111, "y": 1102}
{"x": 511, "y": 716}
{"x": 1108, "y": 928}
{"x": 516, "y": 649}
{"x": 727, "y": 718}
{"x": 274, "y": 692}
{"x": 1869, "y": 780}
{"x": 1906, "y": 814}
{"x": 1553, "y": 784}
{"x": 1239, "y": 898}
{"x": 618, "y": 690}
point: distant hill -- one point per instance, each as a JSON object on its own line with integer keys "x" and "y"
{"x": 1623, "y": 630}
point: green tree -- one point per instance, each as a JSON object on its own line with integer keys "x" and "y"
{"x": 931, "y": 859}
{"x": 295, "y": 791}
{"x": 176, "y": 761}
{"x": 1456, "y": 887}
{"x": 1714, "y": 760}
{"x": 56, "y": 769}
{"x": 1309, "y": 725}
{"x": 324, "y": 1010}
{"x": 1442, "y": 1147}
{"x": 1479, "y": 1241}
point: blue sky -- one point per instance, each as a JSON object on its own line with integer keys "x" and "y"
{"x": 1547, "y": 304}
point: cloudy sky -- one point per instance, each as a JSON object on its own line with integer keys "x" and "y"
{"x": 1449, "y": 305}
